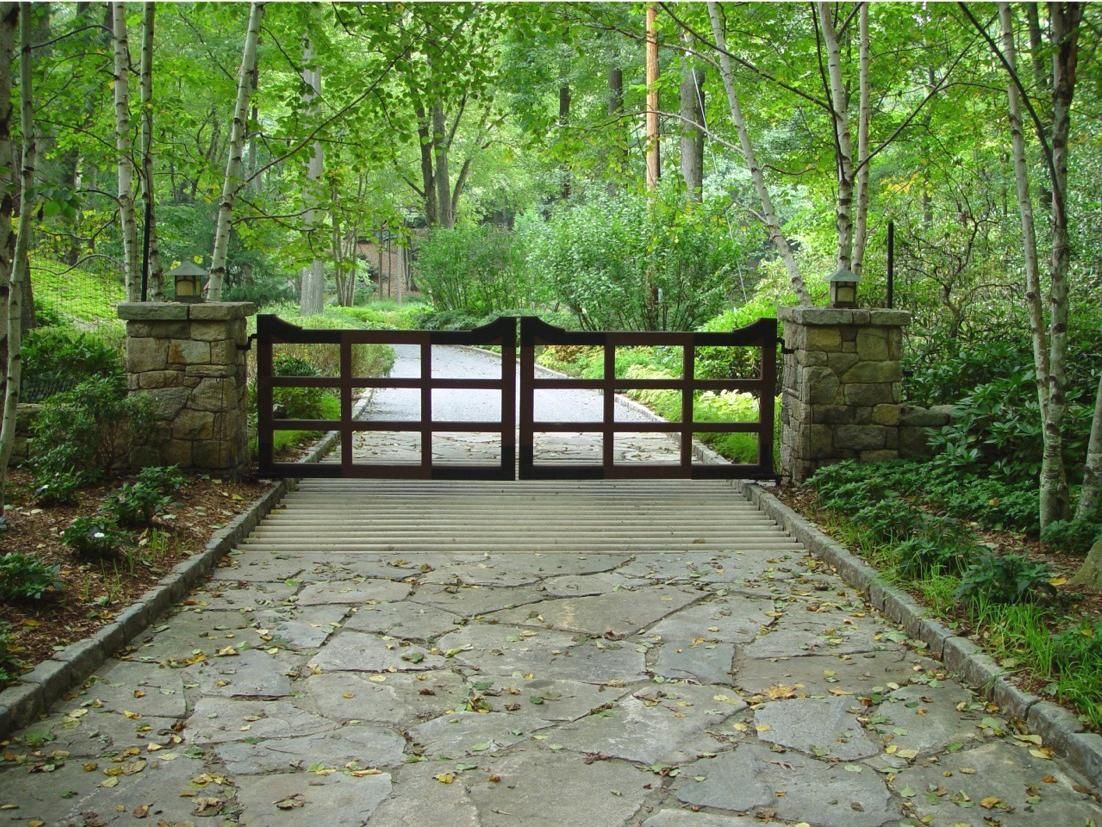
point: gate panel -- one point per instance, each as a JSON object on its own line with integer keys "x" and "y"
{"x": 761, "y": 335}
{"x": 271, "y": 330}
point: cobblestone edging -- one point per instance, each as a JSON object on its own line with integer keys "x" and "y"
{"x": 1056, "y": 725}
{"x": 38, "y": 689}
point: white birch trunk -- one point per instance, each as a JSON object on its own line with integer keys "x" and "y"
{"x": 1090, "y": 496}
{"x": 156, "y": 274}
{"x": 312, "y": 294}
{"x": 1025, "y": 211}
{"x": 861, "y": 219}
{"x": 442, "y": 175}
{"x": 123, "y": 144}
{"x": 1065, "y": 19}
{"x": 839, "y": 104}
{"x": 233, "y": 180}
{"x": 14, "y": 367}
{"x": 768, "y": 214}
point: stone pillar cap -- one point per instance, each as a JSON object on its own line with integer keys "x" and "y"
{"x": 811, "y": 315}
{"x": 179, "y": 311}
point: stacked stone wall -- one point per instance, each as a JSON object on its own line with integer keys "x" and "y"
{"x": 190, "y": 358}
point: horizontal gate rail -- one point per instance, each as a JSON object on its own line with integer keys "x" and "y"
{"x": 272, "y": 330}
{"x": 760, "y": 335}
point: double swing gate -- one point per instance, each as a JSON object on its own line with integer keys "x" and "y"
{"x": 521, "y": 392}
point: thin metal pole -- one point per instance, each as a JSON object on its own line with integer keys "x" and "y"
{"x": 891, "y": 264}
{"x": 145, "y": 242}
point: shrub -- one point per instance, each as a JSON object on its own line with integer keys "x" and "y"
{"x": 475, "y": 270}
{"x": 57, "y": 488}
{"x": 296, "y": 403}
{"x": 1005, "y": 578}
{"x": 164, "y": 478}
{"x": 8, "y": 664}
{"x": 95, "y": 538}
{"x": 1078, "y": 648}
{"x": 1075, "y": 536}
{"x": 57, "y": 358}
{"x": 922, "y": 557}
{"x": 24, "y": 576}
{"x": 89, "y": 430}
{"x": 136, "y": 504}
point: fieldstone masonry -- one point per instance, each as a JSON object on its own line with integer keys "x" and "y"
{"x": 191, "y": 359}
{"x": 842, "y": 389}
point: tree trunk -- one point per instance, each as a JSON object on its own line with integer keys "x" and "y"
{"x": 1065, "y": 19}
{"x": 131, "y": 271}
{"x": 154, "y": 272}
{"x": 232, "y": 182}
{"x": 861, "y": 220}
{"x": 692, "y": 122}
{"x": 839, "y": 104}
{"x": 1090, "y": 573}
{"x": 312, "y": 294}
{"x": 18, "y": 270}
{"x": 768, "y": 214}
{"x": 564, "y": 124}
{"x": 444, "y": 216}
{"x": 618, "y": 152}
{"x": 1025, "y": 210}
{"x": 1090, "y": 496}
{"x": 654, "y": 160}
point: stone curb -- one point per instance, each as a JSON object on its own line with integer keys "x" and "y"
{"x": 22, "y": 703}
{"x": 1058, "y": 727}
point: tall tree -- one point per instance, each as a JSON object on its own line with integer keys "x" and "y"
{"x": 312, "y": 292}
{"x": 233, "y": 182}
{"x": 768, "y": 213}
{"x": 14, "y": 269}
{"x": 692, "y": 120}
{"x": 131, "y": 268}
{"x": 152, "y": 272}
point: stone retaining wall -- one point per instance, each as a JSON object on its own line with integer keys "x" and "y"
{"x": 191, "y": 359}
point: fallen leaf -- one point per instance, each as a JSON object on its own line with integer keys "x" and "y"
{"x": 207, "y": 806}
{"x": 444, "y": 777}
{"x": 141, "y": 811}
{"x": 990, "y": 802}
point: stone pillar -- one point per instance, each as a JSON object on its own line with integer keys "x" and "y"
{"x": 191, "y": 359}
{"x": 842, "y": 386}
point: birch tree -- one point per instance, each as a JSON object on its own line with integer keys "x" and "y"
{"x": 1090, "y": 496}
{"x": 312, "y": 292}
{"x": 131, "y": 271}
{"x": 864, "y": 114}
{"x": 152, "y": 257}
{"x": 768, "y": 213}
{"x": 233, "y": 182}
{"x": 13, "y": 269}
{"x": 692, "y": 121}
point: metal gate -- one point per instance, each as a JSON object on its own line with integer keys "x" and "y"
{"x": 534, "y": 334}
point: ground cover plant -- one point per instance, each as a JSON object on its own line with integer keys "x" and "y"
{"x": 1009, "y": 592}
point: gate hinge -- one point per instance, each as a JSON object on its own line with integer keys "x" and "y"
{"x": 248, "y": 342}
{"x": 784, "y": 349}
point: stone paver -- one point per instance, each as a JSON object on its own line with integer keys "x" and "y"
{"x": 723, "y": 687}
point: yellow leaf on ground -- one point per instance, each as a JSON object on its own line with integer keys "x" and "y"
{"x": 445, "y": 777}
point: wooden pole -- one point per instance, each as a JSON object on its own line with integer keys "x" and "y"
{"x": 653, "y": 159}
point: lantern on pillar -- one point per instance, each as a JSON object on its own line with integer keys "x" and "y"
{"x": 843, "y": 288}
{"x": 188, "y": 279}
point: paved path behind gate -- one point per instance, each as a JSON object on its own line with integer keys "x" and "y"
{"x": 428, "y": 653}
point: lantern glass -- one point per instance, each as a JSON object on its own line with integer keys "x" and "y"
{"x": 188, "y": 281}
{"x": 843, "y": 288}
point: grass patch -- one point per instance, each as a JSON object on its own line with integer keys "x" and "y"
{"x": 74, "y": 295}
{"x": 1008, "y": 600}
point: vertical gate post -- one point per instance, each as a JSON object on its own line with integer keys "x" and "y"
{"x": 190, "y": 358}
{"x": 842, "y": 386}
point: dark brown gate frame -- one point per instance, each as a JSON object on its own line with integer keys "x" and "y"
{"x": 503, "y": 332}
{"x": 271, "y": 330}
{"x": 762, "y": 334}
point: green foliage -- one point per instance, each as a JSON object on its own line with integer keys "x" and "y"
{"x": 56, "y": 488}
{"x": 1074, "y": 536}
{"x": 296, "y": 403}
{"x": 476, "y": 270}
{"x": 57, "y": 358}
{"x": 1005, "y": 578}
{"x": 75, "y": 294}
{"x": 8, "y": 664}
{"x": 25, "y": 577}
{"x": 136, "y": 504}
{"x": 1078, "y": 649}
{"x": 602, "y": 257}
{"x": 88, "y": 432}
{"x": 94, "y": 538}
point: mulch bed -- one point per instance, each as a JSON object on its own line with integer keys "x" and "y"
{"x": 94, "y": 592}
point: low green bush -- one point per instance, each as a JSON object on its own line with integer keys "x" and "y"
{"x": 56, "y": 488}
{"x": 89, "y": 431}
{"x": 8, "y": 664}
{"x": 1005, "y": 578}
{"x": 136, "y": 504}
{"x": 57, "y": 358}
{"x": 95, "y": 538}
{"x": 1075, "y": 536}
{"x": 296, "y": 403}
{"x": 26, "y": 577}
